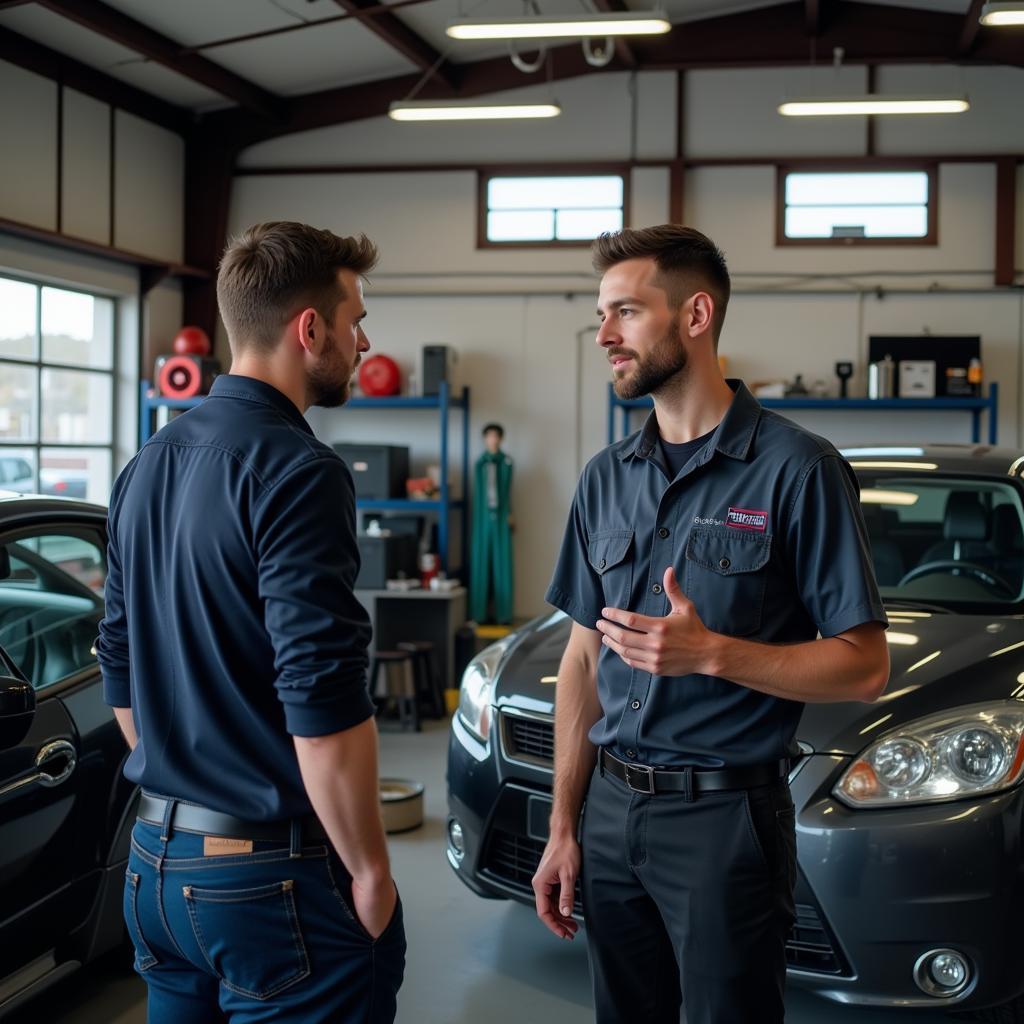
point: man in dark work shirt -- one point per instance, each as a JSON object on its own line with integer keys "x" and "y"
{"x": 703, "y": 557}
{"x": 234, "y": 655}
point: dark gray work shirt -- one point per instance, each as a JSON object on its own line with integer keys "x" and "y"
{"x": 764, "y": 529}
{"x": 230, "y": 622}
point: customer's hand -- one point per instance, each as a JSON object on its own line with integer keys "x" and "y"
{"x": 554, "y": 885}
{"x": 374, "y": 904}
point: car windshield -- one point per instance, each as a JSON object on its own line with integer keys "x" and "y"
{"x": 944, "y": 540}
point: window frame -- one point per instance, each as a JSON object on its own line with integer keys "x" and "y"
{"x": 928, "y": 167}
{"x": 484, "y": 176}
{"x": 39, "y": 364}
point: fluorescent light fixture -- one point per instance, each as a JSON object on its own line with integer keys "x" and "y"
{"x": 996, "y": 15}
{"x": 571, "y": 26}
{"x": 458, "y": 110}
{"x": 840, "y": 106}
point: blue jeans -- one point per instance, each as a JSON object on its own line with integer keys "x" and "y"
{"x": 253, "y": 937}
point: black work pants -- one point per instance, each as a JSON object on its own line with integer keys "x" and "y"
{"x": 688, "y": 903}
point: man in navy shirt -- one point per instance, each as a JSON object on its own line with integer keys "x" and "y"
{"x": 234, "y": 654}
{"x": 718, "y": 573}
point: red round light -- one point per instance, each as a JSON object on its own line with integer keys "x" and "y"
{"x": 379, "y": 376}
{"x": 192, "y": 341}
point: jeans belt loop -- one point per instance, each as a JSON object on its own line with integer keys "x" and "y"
{"x": 688, "y": 794}
{"x": 165, "y": 827}
{"x": 295, "y": 850}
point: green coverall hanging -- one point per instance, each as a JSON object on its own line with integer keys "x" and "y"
{"x": 491, "y": 561}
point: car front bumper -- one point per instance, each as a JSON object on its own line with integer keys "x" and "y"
{"x": 877, "y": 888}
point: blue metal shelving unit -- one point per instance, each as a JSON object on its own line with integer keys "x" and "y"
{"x": 975, "y": 406}
{"x": 444, "y": 403}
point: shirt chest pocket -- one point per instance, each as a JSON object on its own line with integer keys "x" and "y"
{"x": 610, "y": 554}
{"x": 726, "y": 577}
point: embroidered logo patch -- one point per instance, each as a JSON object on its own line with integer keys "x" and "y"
{"x": 747, "y": 519}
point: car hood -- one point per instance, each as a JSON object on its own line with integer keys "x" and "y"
{"x": 939, "y": 660}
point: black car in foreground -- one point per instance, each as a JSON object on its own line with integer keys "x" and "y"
{"x": 909, "y": 811}
{"x": 66, "y": 810}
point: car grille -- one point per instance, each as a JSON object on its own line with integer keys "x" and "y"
{"x": 810, "y": 946}
{"x": 513, "y": 860}
{"x": 528, "y": 739}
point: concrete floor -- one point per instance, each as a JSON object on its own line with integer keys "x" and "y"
{"x": 470, "y": 960}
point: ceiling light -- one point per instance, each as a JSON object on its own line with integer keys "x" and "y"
{"x": 999, "y": 14}
{"x": 457, "y": 110}
{"x": 838, "y": 106}
{"x": 572, "y": 26}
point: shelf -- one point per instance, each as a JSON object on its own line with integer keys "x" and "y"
{"x": 443, "y": 403}
{"x": 407, "y": 504}
{"x": 974, "y": 406}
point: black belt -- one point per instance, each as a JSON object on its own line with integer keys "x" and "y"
{"x": 642, "y": 778}
{"x": 188, "y": 817}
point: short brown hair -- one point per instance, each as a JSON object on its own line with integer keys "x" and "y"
{"x": 687, "y": 261}
{"x": 272, "y": 270}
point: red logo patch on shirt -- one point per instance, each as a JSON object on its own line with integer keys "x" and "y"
{"x": 747, "y": 519}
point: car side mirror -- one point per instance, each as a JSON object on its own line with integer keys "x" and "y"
{"x": 17, "y": 709}
{"x": 5, "y": 563}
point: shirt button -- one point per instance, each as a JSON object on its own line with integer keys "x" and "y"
{"x": 601, "y": 564}
{"x": 663, "y": 533}
{"x": 630, "y": 753}
{"x": 635, "y": 705}
{"x": 724, "y": 563}
{"x": 656, "y": 588}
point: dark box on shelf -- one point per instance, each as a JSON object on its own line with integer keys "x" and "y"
{"x": 379, "y": 470}
{"x": 952, "y": 355}
{"x": 384, "y": 558}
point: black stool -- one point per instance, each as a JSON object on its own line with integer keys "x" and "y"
{"x": 392, "y": 678}
{"x": 428, "y": 679}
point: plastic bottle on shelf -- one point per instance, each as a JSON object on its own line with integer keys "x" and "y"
{"x": 974, "y": 375}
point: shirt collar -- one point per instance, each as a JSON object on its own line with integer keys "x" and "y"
{"x": 234, "y": 385}
{"x": 733, "y": 436}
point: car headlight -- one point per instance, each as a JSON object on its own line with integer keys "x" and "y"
{"x": 971, "y": 751}
{"x": 477, "y": 689}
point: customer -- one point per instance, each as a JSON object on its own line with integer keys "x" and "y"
{"x": 234, "y": 654}
{"x": 715, "y": 522}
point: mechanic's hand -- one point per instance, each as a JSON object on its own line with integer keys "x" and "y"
{"x": 675, "y": 645}
{"x": 374, "y": 904}
{"x": 554, "y": 885}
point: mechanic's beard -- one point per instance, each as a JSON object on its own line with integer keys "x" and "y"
{"x": 330, "y": 382}
{"x": 663, "y": 364}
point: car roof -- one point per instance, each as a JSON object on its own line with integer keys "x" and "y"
{"x": 962, "y": 459}
{"x": 34, "y": 504}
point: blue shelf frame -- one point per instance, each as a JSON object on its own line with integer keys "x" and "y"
{"x": 975, "y": 406}
{"x": 444, "y": 402}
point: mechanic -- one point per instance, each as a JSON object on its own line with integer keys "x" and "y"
{"x": 703, "y": 557}
{"x": 234, "y": 654}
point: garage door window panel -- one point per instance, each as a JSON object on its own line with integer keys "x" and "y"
{"x": 57, "y": 370}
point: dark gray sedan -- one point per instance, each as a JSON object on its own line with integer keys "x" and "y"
{"x": 909, "y": 811}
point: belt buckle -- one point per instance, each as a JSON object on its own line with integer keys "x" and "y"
{"x": 645, "y": 772}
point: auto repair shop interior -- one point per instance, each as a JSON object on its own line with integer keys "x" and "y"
{"x": 876, "y": 251}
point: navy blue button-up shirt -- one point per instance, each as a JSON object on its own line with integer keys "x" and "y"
{"x": 764, "y": 529}
{"x": 230, "y": 623}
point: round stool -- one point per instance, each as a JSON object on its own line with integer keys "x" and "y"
{"x": 428, "y": 679}
{"x": 392, "y": 679}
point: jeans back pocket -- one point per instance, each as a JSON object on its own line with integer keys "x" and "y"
{"x": 250, "y": 937}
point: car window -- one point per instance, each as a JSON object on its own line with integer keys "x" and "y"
{"x": 945, "y": 540}
{"x": 51, "y": 587}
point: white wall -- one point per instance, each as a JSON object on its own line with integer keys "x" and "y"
{"x": 523, "y": 320}
{"x": 148, "y": 195}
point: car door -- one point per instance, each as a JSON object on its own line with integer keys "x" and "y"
{"x": 56, "y": 784}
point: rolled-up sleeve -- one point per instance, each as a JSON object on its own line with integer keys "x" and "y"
{"x": 835, "y": 575}
{"x": 112, "y": 643}
{"x": 307, "y": 563}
